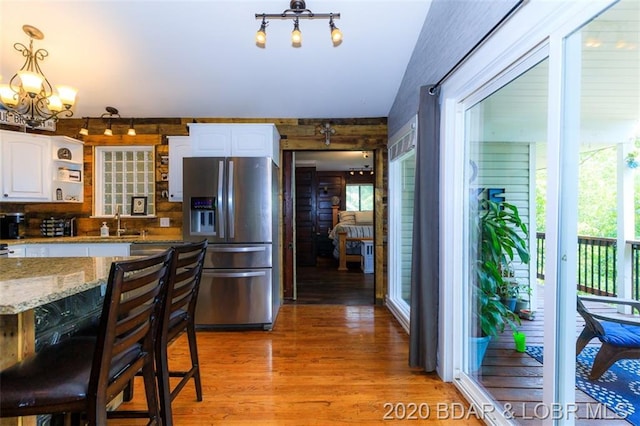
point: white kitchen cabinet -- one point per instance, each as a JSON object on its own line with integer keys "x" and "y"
{"x": 67, "y": 169}
{"x": 255, "y": 140}
{"x": 210, "y": 140}
{"x": 36, "y": 250}
{"x": 26, "y": 167}
{"x": 235, "y": 140}
{"x": 17, "y": 251}
{"x": 69, "y": 250}
{"x": 109, "y": 249}
{"x": 179, "y": 148}
{"x": 40, "y": 168}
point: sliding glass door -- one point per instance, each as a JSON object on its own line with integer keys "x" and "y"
{"x": 527, "y": 135}
{"x": 503, "y": 134}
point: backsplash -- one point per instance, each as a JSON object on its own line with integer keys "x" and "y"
{"x": 296, "y": 134}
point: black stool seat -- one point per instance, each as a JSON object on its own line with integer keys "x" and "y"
{"x": 58, "y": 377}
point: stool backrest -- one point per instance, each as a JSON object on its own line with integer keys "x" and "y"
{"x": 184, "y": 284}
{"x": 129, "y": 321}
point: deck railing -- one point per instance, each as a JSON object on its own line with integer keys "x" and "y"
{"x": 597, "y": 262}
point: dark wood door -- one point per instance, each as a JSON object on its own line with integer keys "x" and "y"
{"x": 330, "y": 185}
{"x": 288, "y": 264}
{"x": 306, "y": 227}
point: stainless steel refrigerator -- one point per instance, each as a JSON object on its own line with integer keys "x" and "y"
{"x": 232, "y": 202}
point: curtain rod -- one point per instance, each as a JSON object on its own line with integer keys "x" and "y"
{"x": 520, "y": 3}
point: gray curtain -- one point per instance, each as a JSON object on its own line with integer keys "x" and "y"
{"x": 425, "y": 273}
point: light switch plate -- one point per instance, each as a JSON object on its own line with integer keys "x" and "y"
{"x": 164, "y": 222}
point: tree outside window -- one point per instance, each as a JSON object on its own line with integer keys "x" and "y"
{"x": 359, "y": 197}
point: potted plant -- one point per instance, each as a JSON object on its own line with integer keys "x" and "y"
{"x": 501, "y": 234}
{"x": 509, "y": 289}
{"x": 508, "y": 292}
{"x": 524, "y": 298}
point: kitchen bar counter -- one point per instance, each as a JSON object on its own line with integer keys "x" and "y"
{"x": 26, "y": 283}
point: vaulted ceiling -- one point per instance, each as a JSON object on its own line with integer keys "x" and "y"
{"x": 170, "y": 58}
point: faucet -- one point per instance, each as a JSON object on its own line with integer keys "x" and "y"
{"x": 119, "y": 230}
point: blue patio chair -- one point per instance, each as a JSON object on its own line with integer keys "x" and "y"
{"x": 619, "y": 333}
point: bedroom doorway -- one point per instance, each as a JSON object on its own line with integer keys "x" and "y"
{"x": 321, "y": 184}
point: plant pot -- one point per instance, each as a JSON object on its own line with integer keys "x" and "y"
{"x": 510, "y": 303}
{"x": 477, "y": 350}
{"x": 520, "y": 305}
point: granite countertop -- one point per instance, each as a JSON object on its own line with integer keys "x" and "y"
{"x": 29, "y": 282}
{"x": 97, "y": 239}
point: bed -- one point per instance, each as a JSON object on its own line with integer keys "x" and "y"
{"x": 349, "y": 230}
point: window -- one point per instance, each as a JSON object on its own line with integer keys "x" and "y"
{"x": 121, "y": 173}
{"x": 402, "y": 183}
{"x": 359, "y": 197}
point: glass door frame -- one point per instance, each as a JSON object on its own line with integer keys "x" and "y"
{"x": 539, "y": 28}
{"x": 401, "y": 309}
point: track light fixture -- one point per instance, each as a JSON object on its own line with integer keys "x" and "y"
{"x": 108, "y": 118}
{"x": 361, "y": 171}
{"x": 297, "y": 10}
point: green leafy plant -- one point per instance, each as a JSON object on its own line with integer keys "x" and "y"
{"x": 509, "y": 288}
{"x": 501, "y": 235}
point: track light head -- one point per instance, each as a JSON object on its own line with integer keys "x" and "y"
{"x": 261, "y": 35}
{"x": 296, "y": 35}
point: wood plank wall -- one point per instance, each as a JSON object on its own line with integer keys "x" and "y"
{"x": 359, "y": 134}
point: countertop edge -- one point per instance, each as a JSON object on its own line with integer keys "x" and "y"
{"x": 128, "y": 239}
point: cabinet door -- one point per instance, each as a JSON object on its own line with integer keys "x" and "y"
{"x": 17, "y": 251}
{"x": 179, "y": 147}
{"x": 112, "y": 249}
{"x": 25, "y": 167}
{"x": 210, "y": 140}
{"x": 36, "y": 250}
{"x": 251, "y": 141}
{"x": 68, "y": 250}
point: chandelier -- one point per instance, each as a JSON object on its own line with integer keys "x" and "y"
{"x": 297, "y": 10}
{"x": 29, "y": 95}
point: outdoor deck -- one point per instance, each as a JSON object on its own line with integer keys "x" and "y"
{"x": 516, "y": 378}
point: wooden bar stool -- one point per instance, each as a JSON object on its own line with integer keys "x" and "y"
{"x": 82, "y": 374}
{"x": 179, "y": 305}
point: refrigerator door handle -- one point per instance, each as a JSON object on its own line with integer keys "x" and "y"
{"x": 234, "y": 274}
{"x": 220, "y": 211}
{"x": 237, "y": 249}
{"x": 230, "y": 202}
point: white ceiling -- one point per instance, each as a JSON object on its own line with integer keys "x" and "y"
{"x": 199, "y": 58}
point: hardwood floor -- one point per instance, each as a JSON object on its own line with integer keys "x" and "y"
{"x": 324, "y": 284}
{"x": 321, "y": 364}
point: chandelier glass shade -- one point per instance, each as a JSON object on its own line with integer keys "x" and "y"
{"x": 297, "y": 10}
{"x": 29, "y": 95}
